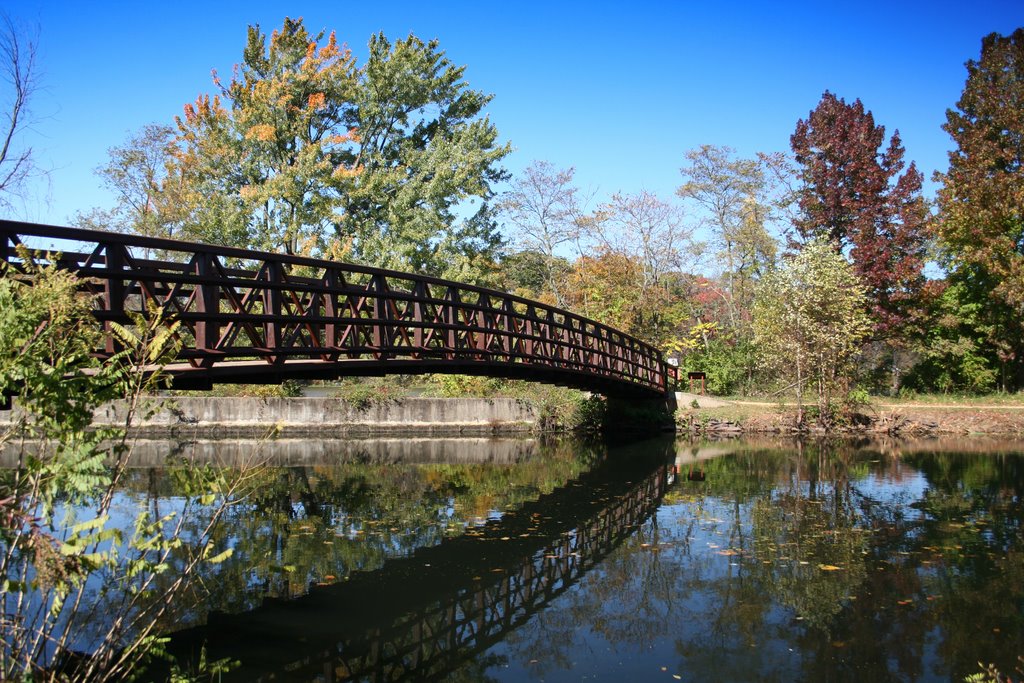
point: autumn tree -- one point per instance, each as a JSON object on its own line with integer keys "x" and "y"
{"x": 262, "y": 161}
{"x": 735, "y": 194}
{"x": 20, "y": 73}
{"x": 981, "y": 202}
{"x": 810, "y": 320}
{"x": 135, "y": 172}
{"x": 646, "y": 228}
{"x": 638, "y": 246}
{"x": 866, "y": 201}
{"x": 607, "y": 286}
{"x": 306, "y": 151}
{"x": 545, "y": 211}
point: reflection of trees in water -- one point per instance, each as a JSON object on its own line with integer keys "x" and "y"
{"x": 826, "y": 549}
{"x": 420, "y": 616}
{"x": 317, "y": 524}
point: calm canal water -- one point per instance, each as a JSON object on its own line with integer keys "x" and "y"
{"x": 656, "y": 560}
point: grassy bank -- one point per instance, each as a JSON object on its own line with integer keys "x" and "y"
{"x": 939, "y": 414}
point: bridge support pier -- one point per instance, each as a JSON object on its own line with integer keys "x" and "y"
{"x": 641, "y": 413}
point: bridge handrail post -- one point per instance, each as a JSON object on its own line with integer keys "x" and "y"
{"x": 451, "y": 316}
{"x": 113, "y": 290}
{"x": 207, "y": 331}
{"x": 331, "y": 283}
{"x": 6, "y": 245}
{"x": 420, "y": 292}
{"x": 272, "y": 308}
{"x": 382, "y": 333}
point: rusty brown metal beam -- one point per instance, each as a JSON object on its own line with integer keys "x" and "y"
{"x": 256, "y": 316}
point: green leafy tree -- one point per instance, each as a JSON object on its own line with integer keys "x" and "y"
{"x": 954, "y": 353}
{"x": 810, "y": 319}
{"x": 69, "y": 572}
{"x": 308, "y": 152}
{"x": 980, "y": 226}
{"x": 423, "y": 150}
{"x": 529, "y": 273}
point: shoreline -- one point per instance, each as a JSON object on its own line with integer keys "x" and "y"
{"x": 892, "y": 419}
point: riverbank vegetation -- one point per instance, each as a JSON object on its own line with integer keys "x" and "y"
{"x": 393, "y": 162}
{"x": 87, "y": 578}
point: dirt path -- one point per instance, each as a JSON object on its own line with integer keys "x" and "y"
{"x": 944, "y": 418}
{"x": 904, "y": 406}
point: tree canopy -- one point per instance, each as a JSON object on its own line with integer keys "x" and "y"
{"x": 861, "y": 198}
{"x": 981, "y": 202}
{"x": 304, "y": 150}
{"x": 810, "y": 320}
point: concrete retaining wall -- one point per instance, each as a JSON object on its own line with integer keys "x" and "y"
{"x": 257, "y": 416}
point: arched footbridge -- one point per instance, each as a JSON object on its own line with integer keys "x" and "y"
{"x": 258, "y": 317}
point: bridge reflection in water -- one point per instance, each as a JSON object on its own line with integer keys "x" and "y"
{"x": 421, "y": 616}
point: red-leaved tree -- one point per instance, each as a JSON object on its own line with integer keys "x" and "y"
{"x": 860, "y": 197}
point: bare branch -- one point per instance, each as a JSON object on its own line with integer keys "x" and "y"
{"x": 19, "y": 72}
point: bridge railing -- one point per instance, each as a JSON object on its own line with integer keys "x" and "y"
{"x": 245, "y": 312}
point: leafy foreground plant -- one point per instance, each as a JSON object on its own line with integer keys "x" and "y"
{"x": 84, "y": 588}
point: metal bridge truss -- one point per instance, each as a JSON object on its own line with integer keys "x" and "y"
{"x": 249, "y": 316}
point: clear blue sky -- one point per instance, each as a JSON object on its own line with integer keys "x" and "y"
{"x": 620, "y": 92}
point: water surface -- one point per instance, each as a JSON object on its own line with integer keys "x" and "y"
{"x": 660, "y": 560}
